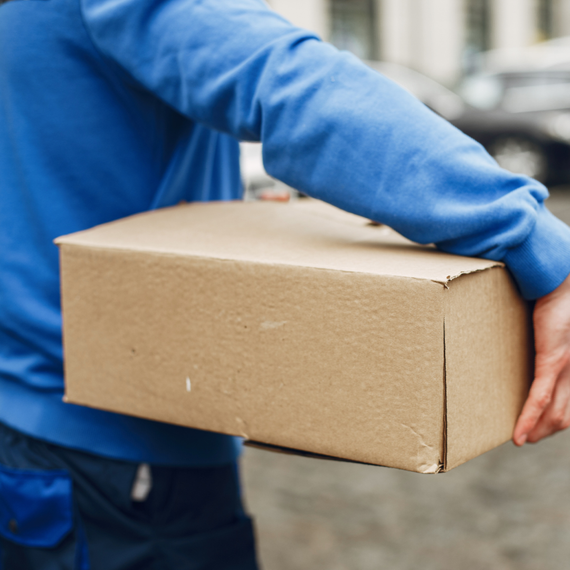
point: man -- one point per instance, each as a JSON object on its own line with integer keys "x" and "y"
{"x": 113, "y": 107}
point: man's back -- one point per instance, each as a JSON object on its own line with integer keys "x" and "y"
{"x": 83, "y": 143}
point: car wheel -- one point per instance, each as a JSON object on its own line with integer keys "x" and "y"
{"x": 521, "y": 156}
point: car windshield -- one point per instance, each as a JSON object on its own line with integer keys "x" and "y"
{"x": 518, "y": 92}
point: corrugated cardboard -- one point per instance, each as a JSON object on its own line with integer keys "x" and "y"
{"x": 297, "y": 326}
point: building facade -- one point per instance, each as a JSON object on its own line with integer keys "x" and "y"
{"x": 440, "y": 38}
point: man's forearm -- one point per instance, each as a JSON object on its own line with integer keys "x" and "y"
{"x": 334, "y": 128}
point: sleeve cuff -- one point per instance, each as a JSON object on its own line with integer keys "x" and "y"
{"x": 542, "y": 261}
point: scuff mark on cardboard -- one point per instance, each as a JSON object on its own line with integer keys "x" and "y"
{"x": 268, "y": 325}
{"x": 242, "y": 428}
{"x": 427, "y": 456}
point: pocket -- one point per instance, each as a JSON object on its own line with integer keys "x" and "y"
{"x": 36, "y": 507}
{"x": 39, "y": 529}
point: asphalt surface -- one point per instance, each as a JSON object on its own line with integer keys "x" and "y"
{"x": 506, "y": 510}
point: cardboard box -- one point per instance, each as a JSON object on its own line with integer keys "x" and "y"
{"x": 298, "y": 326}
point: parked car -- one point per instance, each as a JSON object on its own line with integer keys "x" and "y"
{"x": 523, "y": 119}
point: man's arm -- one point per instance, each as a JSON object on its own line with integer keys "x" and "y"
{"x": 339, "y": 131}
{"x": 333, "y": 128}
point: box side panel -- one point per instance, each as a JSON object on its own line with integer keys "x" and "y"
{"x": 327, "y": 362}
{"x": 489, "y": 362}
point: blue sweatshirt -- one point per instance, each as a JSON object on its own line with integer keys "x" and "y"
{"x": 113, "y": 107}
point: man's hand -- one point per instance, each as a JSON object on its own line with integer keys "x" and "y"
{"x": 547, "y": 409}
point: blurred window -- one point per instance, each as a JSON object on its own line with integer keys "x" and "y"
{"x": 354, "y": 27}
{"x": 545, "y": 19}
{"x": 477, "y": 22}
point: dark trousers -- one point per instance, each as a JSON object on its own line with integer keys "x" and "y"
{"x": 62, "y": 509}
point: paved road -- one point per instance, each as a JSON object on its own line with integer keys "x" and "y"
{"x": 506, "y": 510}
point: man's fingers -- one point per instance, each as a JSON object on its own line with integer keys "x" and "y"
{"x": 556, "y": 417}
{"x": 538, "y": 400}
{"x": 546, "y": 409}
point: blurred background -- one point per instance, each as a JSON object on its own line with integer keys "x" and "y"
{"x": 500, "y": 71}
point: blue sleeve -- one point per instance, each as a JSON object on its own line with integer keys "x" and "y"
{"x": 333, "y": 128}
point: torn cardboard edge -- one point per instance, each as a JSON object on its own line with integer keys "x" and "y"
{"x": 451, "y": 278}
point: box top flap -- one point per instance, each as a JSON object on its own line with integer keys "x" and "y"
{"x": 306, "y": 233}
